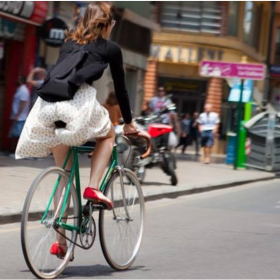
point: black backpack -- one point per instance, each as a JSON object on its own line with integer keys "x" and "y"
{"x": 58, "y": 86}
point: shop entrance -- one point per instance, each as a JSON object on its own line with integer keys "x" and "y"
{"x": 188, "y": 95}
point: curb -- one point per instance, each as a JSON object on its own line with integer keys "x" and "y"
{"x": 16, "y": 217}
{"x": 205, "y": 189}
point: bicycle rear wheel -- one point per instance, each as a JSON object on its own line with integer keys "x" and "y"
{"x": 38, "y": 226}
{"x": 121, "y": 230}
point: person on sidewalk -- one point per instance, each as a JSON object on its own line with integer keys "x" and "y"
{"x": 194, "y": 132}
{"x": 20, "y": 110}
{"x": 208, "y": 128}
{"x": 185, "y": 132}
{"x": 52, "y": 127}
{"x": 35, "y": 79}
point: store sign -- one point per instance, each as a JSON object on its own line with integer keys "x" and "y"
{"x": 32, "y": 11}
{"x": 180, "y": 54}
{"x": 53, "y": 32}
{"x": 253, "y": 71}
{"x": 18, "y": 8}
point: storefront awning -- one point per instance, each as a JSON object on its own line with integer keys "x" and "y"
{"x": 31, "y": 12}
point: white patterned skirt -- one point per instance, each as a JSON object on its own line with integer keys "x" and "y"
{"x": 85, "y": 119}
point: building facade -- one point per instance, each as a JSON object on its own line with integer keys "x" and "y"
{"x": 19, "y": 21}
{"x": 205, "y": 30}
{"x": 274, "y": 59}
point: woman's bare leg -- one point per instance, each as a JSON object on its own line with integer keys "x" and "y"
{"x": 60, "y": 153}
{"x": 100, "y": 158}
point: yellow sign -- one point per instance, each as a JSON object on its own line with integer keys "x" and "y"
{"x": 189, "y": 55}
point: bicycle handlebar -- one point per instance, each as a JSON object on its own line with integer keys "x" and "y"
{"x": 147, "y": 138}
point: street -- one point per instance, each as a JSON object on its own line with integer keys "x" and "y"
{"x": 224, "y": 234}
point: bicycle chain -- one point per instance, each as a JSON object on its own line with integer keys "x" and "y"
{"x": 75, "y": 243}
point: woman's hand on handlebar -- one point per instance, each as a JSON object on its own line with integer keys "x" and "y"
{"x": 130, "y": 128}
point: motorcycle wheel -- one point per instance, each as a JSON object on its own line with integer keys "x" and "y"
{"x": 174, "y": 160}
{"x": 168, "y": 166}
{"x": 173, "y": 179}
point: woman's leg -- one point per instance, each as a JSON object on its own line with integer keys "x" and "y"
{"x": 180, "y": 142}
{"x": 101, "y": 157}
{"x": 99, "y": 161}
{"x": 60, "y": 153}
{"x": 185, "y": 144}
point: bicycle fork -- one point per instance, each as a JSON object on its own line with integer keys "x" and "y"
{"x": 116, "y": 217}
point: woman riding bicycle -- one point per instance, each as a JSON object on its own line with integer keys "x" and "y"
{"x": 83, "y": 118}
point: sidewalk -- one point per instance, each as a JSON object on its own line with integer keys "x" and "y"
{"x": 193, "y": 177}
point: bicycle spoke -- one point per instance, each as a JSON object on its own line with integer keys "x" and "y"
{"x": 121, "y": 230}
{"x": 38, "y": 235}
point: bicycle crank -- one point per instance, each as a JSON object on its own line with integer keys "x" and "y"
{"x": 87, "y": 232}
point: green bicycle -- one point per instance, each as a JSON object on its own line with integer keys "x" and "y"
{"x": 53, "y": 207}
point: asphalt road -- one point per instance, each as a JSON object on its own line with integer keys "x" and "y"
{"x": 225, "y": 234}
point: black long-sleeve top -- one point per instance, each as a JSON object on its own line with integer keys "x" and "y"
{"x": 101, "y": 53}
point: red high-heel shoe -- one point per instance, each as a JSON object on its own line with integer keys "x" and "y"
{"x": 59, "y": 250}
{"x": 97, "y": 196}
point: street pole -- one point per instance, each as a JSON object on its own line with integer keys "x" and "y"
{"x": 238, "y": 122}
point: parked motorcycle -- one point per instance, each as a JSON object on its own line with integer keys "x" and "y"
{"x": 160, "y": 155}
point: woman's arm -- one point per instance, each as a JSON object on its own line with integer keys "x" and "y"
{"x": 117, "y": 72}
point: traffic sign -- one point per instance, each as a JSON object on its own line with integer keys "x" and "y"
{"x": 252, "y": 71}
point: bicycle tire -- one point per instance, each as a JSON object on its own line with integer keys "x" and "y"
{"x": 120, "y": 237}
{"x": 36, "y": 236}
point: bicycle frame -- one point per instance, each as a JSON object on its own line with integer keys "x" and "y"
{"x": 74, "y": 172}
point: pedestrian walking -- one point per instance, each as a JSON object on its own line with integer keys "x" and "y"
{"x": 185, "y": 132}
{"x": 35, "y": 79}
{"x": 208, "y": 128}
{"x": 20, "y": 110}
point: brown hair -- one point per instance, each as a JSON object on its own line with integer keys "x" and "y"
{"x": 111, "y": 99}
{"x": 98, "y": 16}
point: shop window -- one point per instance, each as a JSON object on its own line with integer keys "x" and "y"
{"x": 132, "y": 36}
{"x": 251, "y": 27}
{"x": 190, "y": 16}
{"x": 277, "y": 47}
{"x": 233, "y": 18}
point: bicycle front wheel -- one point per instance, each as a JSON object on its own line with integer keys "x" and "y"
{"x": 42, "y": 208}
{"x": 121, "y": 230}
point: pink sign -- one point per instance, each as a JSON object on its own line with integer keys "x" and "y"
{"x": 251, "y": 71}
